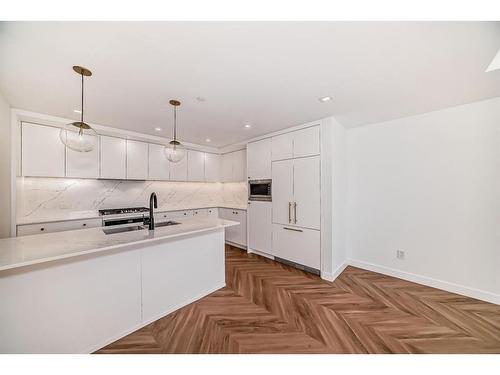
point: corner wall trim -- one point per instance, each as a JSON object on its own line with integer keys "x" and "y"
{"x": 429, "y": 281}
{"x": 333, "y": 275}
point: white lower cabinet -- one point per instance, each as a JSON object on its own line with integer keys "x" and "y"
{"x": 260, "y": 226}
{"x": 237, "y": 234}
{"x": 298, "y": 245}
{"x": 203, "y": 212}
{"x": 58, "y": 226}
{"x": 212, "y": 212}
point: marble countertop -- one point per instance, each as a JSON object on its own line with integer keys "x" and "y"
{"x": 23, "y": 251}
{"x": 62, "y": 215}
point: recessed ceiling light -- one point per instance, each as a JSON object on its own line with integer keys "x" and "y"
{"x": 158, "y": 129}
{"x": 208, "y": 140}
{"x": 77, "y": 111}
{"x": 248, "y": 126}
{"x": 325, "y": 99}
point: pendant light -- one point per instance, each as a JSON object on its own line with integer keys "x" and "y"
{"x": 79, "y": 136}
{"x": 174, "y": 150}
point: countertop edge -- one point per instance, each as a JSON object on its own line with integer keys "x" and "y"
{"x": 97, "y": 216}
{"x": 112, "y": 247}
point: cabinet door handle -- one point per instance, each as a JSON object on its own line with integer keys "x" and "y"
{"x": 84, "y": 224}
{"x": 42, "y": 229}
{"x": 289, "y": 212}
{"x": 293, "y": 229}
{"x": 295, "y": 212}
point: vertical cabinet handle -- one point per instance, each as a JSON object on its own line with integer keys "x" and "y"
{"x": 295, "y": 212}
{"x": 289, "y": 212}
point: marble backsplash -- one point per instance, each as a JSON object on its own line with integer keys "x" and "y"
{"x": 39, "y": 197}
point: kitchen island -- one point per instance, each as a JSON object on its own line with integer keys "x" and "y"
{"x": 77, "y": 291}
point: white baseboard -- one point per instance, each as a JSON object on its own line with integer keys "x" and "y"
{"x": 239, "y": 246}
{"x": 145, "y": 323}
{"x": 429, "y": 281}
{"x": 262, "y": 254}
{"x": 333, "y": 275}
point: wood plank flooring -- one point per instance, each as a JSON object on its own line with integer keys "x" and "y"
{"x": 268, "y": 307}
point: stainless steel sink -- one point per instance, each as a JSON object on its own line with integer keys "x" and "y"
{"x": 124, "y": 229}
{"x": 166, "y": 223}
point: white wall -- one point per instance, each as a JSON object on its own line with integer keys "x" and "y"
{"x": 429, "y": 185}
{"x": 5, "y": 165}
{"x": 339, "y": 194}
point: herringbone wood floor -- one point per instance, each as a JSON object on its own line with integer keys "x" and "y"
{"x": 267, "y": 307}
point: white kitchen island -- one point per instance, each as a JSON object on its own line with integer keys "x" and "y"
{"x": 77, "y": 291}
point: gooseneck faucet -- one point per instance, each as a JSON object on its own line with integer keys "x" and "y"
{"x": 153, "y": 201}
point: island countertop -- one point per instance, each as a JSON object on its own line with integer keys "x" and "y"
{"x": 23, "y": 251}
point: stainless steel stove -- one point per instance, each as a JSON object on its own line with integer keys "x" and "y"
{"x": 124, "y": 216}
{"x": 121, "y": 211}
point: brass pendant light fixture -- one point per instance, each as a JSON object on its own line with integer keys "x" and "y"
{"x": 79, "y": 136}
{"x": 175, "y": 151}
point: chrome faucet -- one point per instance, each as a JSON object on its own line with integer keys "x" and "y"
{"x": 153, "y": 201}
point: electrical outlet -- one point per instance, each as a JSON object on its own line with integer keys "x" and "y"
{"x": 400, "y": 254}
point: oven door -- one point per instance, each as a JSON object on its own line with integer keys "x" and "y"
{"x": 259, "y": 190}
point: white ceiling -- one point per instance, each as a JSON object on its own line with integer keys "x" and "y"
{"x": 268, "y": 74}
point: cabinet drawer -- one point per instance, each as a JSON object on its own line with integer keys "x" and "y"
{"x": 201, "y": 212}
{"x": 59, "y": 226}
{"x": 298, "y": 245}
{"x": 213, "y": 212}
{"x": 164, "y": 216}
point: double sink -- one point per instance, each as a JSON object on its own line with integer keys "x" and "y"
{"x": 138, "y": 227}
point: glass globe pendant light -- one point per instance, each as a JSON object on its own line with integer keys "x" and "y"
{"x": 79, "y": 136}
{"x": 174, "y": 150}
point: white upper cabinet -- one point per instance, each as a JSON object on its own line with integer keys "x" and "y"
{"x": 113, "y": 158}
{"x": 159, "y": 166}
{"x": 42, "y": 151}
{"x": 82, "y": 164}
{"x": 259, "y": 159}
{"x": 297, "y": 144}
{"x": 282, "y": 147}
{"x": 212, "y": 167}
{"x": 137, "y": 160}
{"x": 179, "y": 170}
{"x": 239, "y": 165}
{"x": 234, "y": 166}
{"x": 227, "y": 167}
{"x": 196, "y": 165}
{"x": 306, "y": 142}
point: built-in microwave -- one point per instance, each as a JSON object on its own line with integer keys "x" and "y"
{"x": 259, "y": 190}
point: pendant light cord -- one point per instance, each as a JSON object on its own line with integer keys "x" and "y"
{"x": 81, "y": 115}
{"x": 175, "y": 123}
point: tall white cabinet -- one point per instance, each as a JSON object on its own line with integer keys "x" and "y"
{"x": 296, "y": 191}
